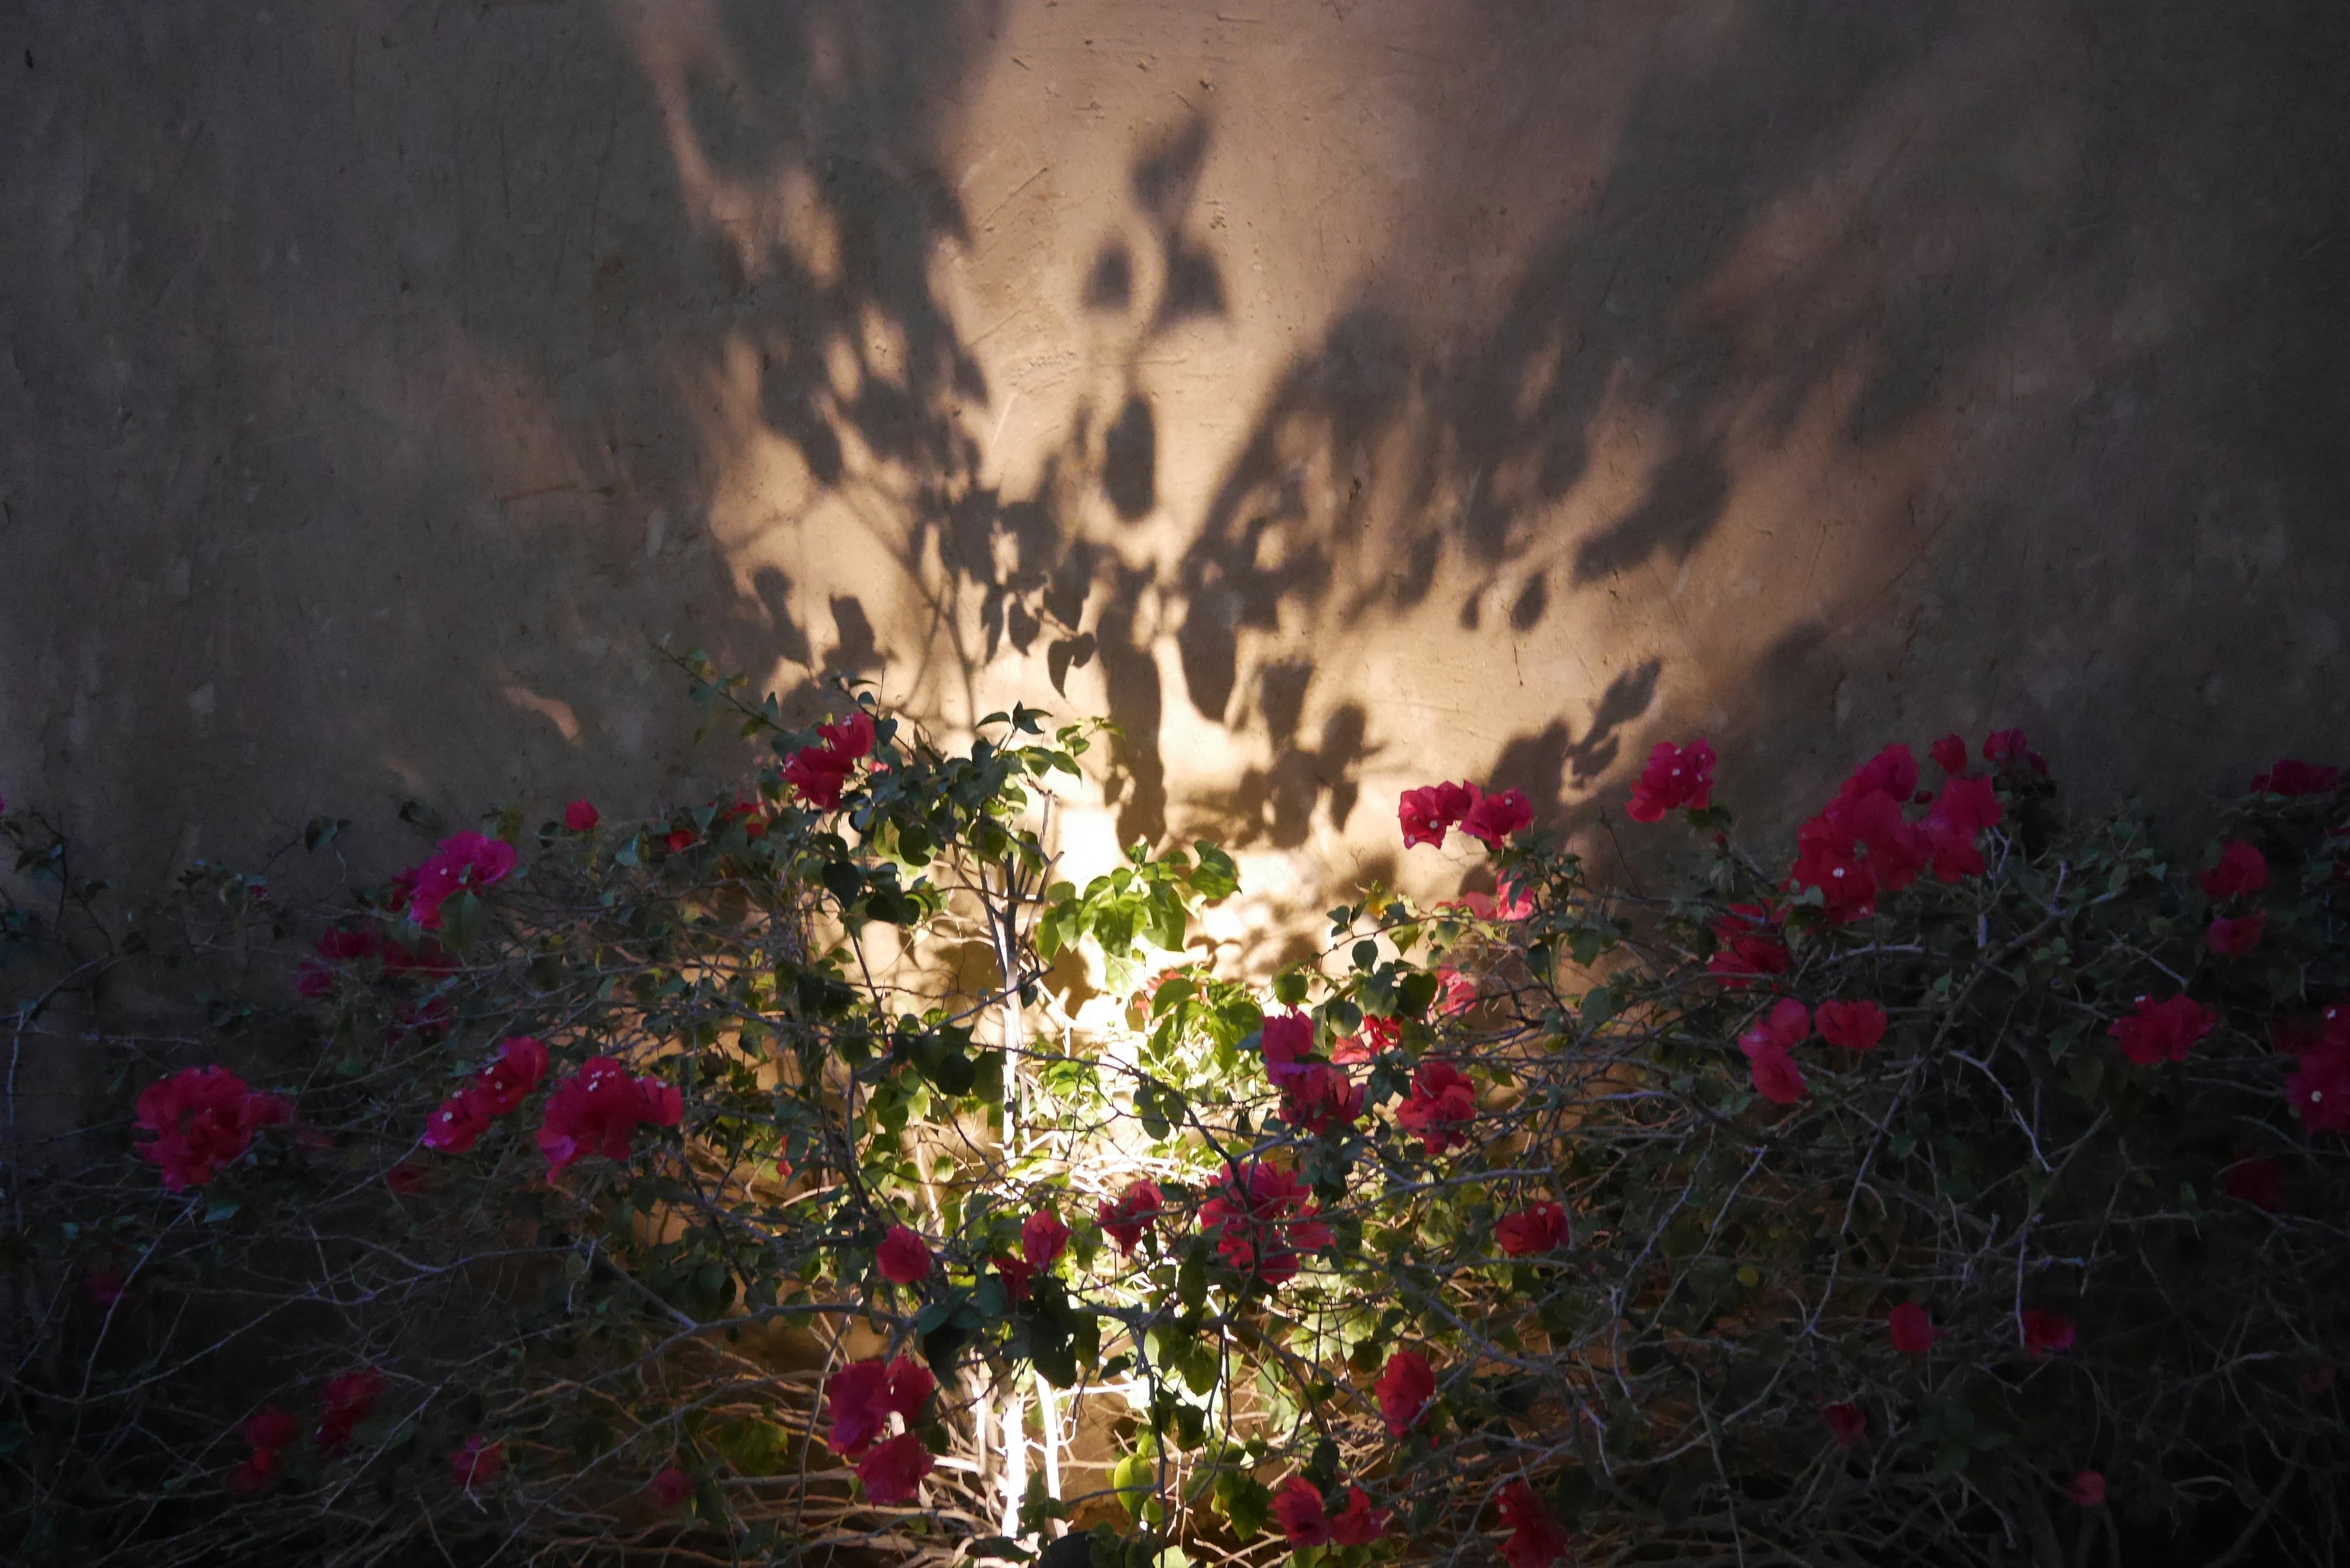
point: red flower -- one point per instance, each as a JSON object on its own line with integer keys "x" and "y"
{"x": 1015, "y": 1276}
{"x": 1965, "y": 808}
{"x": 202, "y": 1118}
{"x": 2241, "y": 870}
{"x": 2045, "y": 1333}
{"x": 1406, "y": 1385}
{"x": 864, "y": 1395}
{"x": 670, "y": 1488}
{"x": 2258, "y": 1182}
{"x": 904, "y": 1257}
{"x": 1847, "y": 887}
{"x": 581, "y": 817}
{"x": 2163, "y": 1031}
{"x": 1536, "y": 1229}
{"x": 1443, "y": 1103}
{"x": 1360, "y": 1524}
{"x": 259, "y": 1472}
{"x": 599, "y": 1108}
{"x": 1789, "y": 1024}
{"x": 1315, "y": 1097}
{"x": 819, "y": 773}
{"x": 1750, "y": 953}
{"x": 2318, "y": 1090}
{"x": 1893, "y": 772}
{"x": 460, "y": 1122}
{"x": 1429, "y": 812}
{"x": 1456, "y": 994}
{"x": 466, "y": 861}
{"x": 1950, "y": 753}
{"x": 1847, "y": 1423}
{"x": 1913, "y": 1330}
{"x": 347, "y": 1400}
{"x": 1497, "y": 816}
{"x": 1675, "y": 778}
{"x": 2007, "y": 747}
{"x": 2088, "y": 1489}
{"x": 2291, "y": 777}
{"x": 475, "y": 1461}
{"x": 679, "y": 839}
{"x": 1297, "y": 1504}
{"x": 2236, "y": 937}
{"x": 1776, "y": 1076}
{"x": 892, "y": 1473}
{"x": 851, "y": 738}
{"x": 1261, "y": 1220}
{"x": 1136, "y": 1211}
{"x": 1536, "y": 1539}
{"x": 520, "y": 1064}
{"x": 1853, "y": 1026}
{"x": 1378, "y": 1035}
{"x": 269, "y": 1428}
{"x": 1042, "y": 1239}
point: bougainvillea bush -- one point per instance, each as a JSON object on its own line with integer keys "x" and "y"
{"x": 1968, "y": 1187}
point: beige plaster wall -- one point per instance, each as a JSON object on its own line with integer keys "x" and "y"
{"x": 1340, "y": 394}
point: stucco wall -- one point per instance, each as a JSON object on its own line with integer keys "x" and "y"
{"x": 1338, "y": 394}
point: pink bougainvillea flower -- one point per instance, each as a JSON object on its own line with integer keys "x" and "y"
{"x": 599, "y": 1108}
{"x": 1950, "y": 753}
{"x": 670, "y": 1488}
{"x": 903, "y": 1257}
{"x": 459, "y": 1123}
{"x": 2243, "y": 870}
{"x": 345, "y": 1401}
{"x": 1536, "y": 1229}
{"x": 1443, "y": 1105}
{"x": 1015, "y": 1273}
{"x": 2163, "y": 1031}
{"x": 1495, "y": 817}
{"x": 852, "y": 737}
{"x": 1674, "y": 777}
{"x": 1430, "y": 812}
{"x": 1847, "y": 1423}
{"x": 476, "y": 1462}
{"x": 2258, "y": 1182}
{"x": 2293, "y": 777}
{"x": 1456, "y": 992}
{"x": 1358, "y": 1525}
{"x": 1536, "y": 1539}
{"x": 581, "y": 817}
{"x": 2318, "y": 1089}
{"x": 1892, "y": 772}
{"x": 1297, "y": 1506}
{"x": 465, "y": 862}
{"x": 2088, "y": 1489}
{"x": 508, "y": 1080}
{"x": 892, "y": 1473}
{"x": 202, "y": 1118}
{"x": 679, "y": 839}
{"x": 1775, "y": 1076}
{"x": 1852, "y": 1025}
{"x": 1912, "y": 1328}
{"x": 1406, "y": 1385}
{"x": 269, "y": 1428}
{"x": 1323, "y": 1100}
{"x": 2239, "y": 935}
{"x": 1262, "y": 1220}
{"x": 818, "y": 776}
{"x": 1509, "y": 900}
{"x": 259, "y": 1472}
{"x": 1847, "y": 887}
{"x": 1286, "y": 1045}
{"x": 1787, "y": 1026}
{"x": 1378, "y": 1036}
{"x": 1043, "y": 1238}
{"x": 1137, "y": 1210}
{"x": 2045, "y": 1333}
{"x": 1750, "y": 952}
{"x": 2007, "y": 748}
{"x": 1959, "y": 814}
{"x": 862, "y": 1395}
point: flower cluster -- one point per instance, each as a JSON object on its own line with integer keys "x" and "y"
{"x": 496, "y": 1090}
{"x": 1042, "y": 1239}
{"x": 1316, "y": 1096}
{"x": 1864, "y": 843}
{"x": 1675, "y": 778}
{"x": 1132, "y": 1213}
{"x": 1428, "y": 813}
{"x": 862, "y": 1397}
{"x": 1262, "y": 1219}
{"x": 819, "y": 773}
{"x": 267, "y": 1433}
{"x": 2318, "y": 1088}
{"x": 202, "y": 1118}
{"x": 599, "y": 1108}
{"x": 463, "y": 863}
{"x": 1306, "y": 1519}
